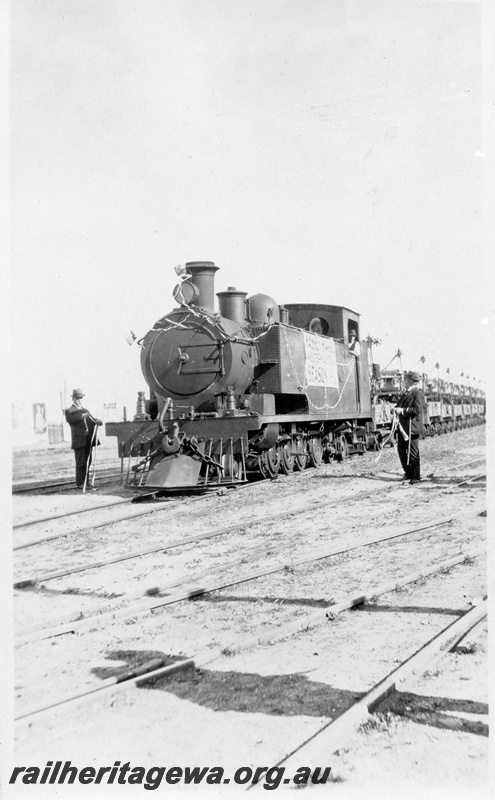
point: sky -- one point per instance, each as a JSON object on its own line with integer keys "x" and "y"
{"x": 319, "y": 151}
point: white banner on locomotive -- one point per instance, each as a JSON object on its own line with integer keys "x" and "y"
{"x": 321, "y": 362}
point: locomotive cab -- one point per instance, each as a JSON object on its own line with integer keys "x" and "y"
{"x": 336, "y": 322}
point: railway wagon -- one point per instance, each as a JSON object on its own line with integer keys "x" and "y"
{"x": 254, "y": 386}
{"x": 452, "y": 407}
{"x": 448, "y": 407}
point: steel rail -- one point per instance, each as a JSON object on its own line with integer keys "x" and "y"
{"x": 141, "y": 513}
{"x": 153, "y": 671}
{"x": 32, "y": 486}
{"x": 471, "y": 481}
{"x": 95, "y": 525}
{"x": 359, "y": 495}
{"x": 317, "y": 618}
{"x": 462, "y": 465}
{"x": 39, "y": 520}
{"x": 331, "y": 736}
{"x": 432, "y": 475}
{"x": 21, "y": 583}
{"x": 470, "y": 637}
{"x": 84, "y": 622}
{"x": 30, "y": 581}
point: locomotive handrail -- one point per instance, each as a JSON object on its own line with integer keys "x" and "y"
{"x": 171, "y": 321}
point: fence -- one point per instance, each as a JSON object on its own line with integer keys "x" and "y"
{"x": 55, "y": 433}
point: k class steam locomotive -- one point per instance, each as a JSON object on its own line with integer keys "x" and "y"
{"x": 253, "y": 387}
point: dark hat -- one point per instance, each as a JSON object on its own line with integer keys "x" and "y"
{"x": 413, "y": 376}
{"x": 77, "y": 393}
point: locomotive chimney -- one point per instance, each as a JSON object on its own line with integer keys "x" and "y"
{"x": 203, "y": 278}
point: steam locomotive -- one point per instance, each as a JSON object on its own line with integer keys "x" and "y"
{"x": 254, "y": 387}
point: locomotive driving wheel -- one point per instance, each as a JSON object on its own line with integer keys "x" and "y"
{"x": 269, "y": 462}
{"x": 286, "y": 457}
{"x": 342, "y": 448}
{"x": 315, "y": 448}
{"x": 300, "y": 461}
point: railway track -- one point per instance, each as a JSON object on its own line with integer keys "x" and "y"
{"x": 164, "y": 546}
{"x": 21, "y": 526}
{"x": 61, "y": 483}
{"x": 334, "y": 735}
{"x": 190, "y": 586}
{"x": 22, "y": 582}
{"x": 157, "y": 505}
{"x": 154, "y": 670}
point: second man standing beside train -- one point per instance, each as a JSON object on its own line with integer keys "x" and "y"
{"x": 410, "y": 412}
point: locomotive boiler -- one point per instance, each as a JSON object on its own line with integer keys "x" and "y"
{"x": 254, "y": 386}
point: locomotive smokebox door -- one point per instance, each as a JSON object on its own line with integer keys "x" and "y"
{"x": 185, "y": 361}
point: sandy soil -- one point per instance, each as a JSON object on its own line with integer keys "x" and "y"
{"x": 254, "y": 706}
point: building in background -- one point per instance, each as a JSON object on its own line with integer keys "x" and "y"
{"x": 23, "y": 430}
{"x": 35, "y": 423}
{"x": 41, "y": 421}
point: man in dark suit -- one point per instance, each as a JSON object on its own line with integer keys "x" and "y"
{"x": 410, "y": 425}
{"x": 83, "y": 428}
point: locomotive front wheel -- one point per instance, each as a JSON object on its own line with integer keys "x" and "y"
{"x": 315, "y": 448}
{"x": 286, "y": 457}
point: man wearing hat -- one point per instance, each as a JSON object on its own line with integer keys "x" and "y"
{"x": 354, "y": 346}
{"x": 409, "y": 415}
{"x": 83, "y": 435}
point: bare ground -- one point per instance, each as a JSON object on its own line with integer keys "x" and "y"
{"x": 253, "y": 707}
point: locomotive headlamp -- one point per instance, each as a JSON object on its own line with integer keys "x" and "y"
{"x": 186, "y": 293}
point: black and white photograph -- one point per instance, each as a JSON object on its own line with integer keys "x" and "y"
{"x": 247, "y": 344}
